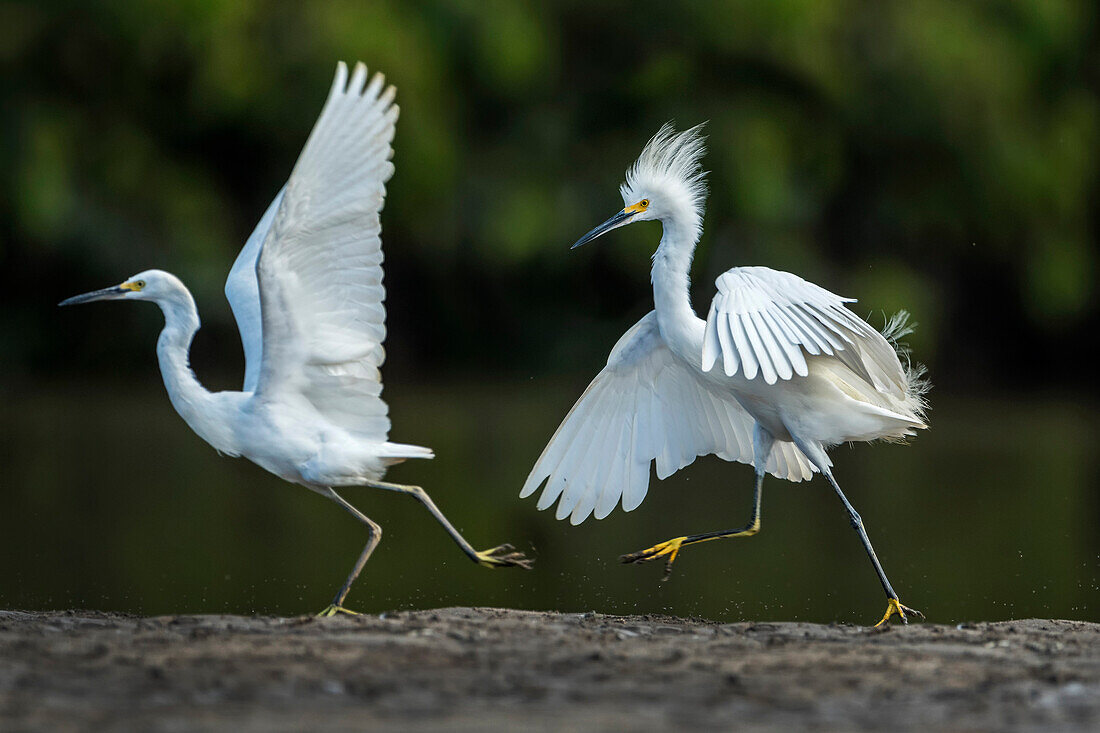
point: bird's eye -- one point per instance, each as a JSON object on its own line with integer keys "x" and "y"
{"x": 644, "y": 203}
{"x": 140, "y": 284}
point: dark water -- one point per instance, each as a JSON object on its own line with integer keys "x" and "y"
{"x": 110, "y": 502}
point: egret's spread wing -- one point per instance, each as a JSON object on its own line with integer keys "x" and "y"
{"x": 242, "y": 290}
{"x": 647, "y": 404}
{"x": 320, "y": 269}
{"x": 765, "y": 322}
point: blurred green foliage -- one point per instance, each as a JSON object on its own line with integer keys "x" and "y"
{"x": 933, "y": 154}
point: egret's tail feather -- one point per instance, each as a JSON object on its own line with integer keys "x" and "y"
{"x": 395, "y": 453}
{"x": 915, "y": 401}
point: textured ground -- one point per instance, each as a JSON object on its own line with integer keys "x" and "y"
{"x": 463, "y": 669}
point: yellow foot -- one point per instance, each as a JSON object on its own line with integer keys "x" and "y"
{"x": 503, "y": 556}
{"x": 894, "y": 607}
{"x": 333, "y": 609}
{"x": 670, "y": 548}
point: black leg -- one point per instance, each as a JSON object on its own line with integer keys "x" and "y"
{"x": 672, "y": 547}
{"x": 374, "y": 536}
{"x": 496, "y": 557}
{"x": 762, "y": 442}
{"x": 894, "y": 605}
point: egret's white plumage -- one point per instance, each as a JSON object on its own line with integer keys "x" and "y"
{"x": 780, "y": 370}
{"x": 242, "y": 290}
{"x": 647, "y": 405}
{"x": 306, "y": 291}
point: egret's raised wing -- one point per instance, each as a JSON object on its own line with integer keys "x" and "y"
{"x": 320, "y": 268}
{"x": 647, "y": 404}
{"x": 765, "y": 322}
{"x": 242, "y": 290}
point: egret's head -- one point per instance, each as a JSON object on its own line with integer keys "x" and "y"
{"x": 667, "y": 180}
{"x": 148, "y": 285}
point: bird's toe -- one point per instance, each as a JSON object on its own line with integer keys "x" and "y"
{"x": 895, "y": 608}
{"x": 669, "y": 548}
{"x": 504, "y": 556}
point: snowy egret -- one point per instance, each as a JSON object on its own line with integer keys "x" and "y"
{"x": 799, "y": 373}
{"x": 307, "y": 294}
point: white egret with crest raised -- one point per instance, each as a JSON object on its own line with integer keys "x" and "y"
{"x": 779, "y": 371}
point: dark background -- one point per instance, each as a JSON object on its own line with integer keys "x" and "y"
{"x": 936, "y": 155}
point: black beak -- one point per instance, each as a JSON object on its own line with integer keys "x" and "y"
{"x": 616, "y": 221}
{"x": 104, "y": 294}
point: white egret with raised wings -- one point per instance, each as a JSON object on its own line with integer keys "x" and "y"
{"x": 307, "y": 295}
{"x": 780, "y": 371}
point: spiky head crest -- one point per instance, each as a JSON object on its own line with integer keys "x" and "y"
{"x": 670, "y": 174}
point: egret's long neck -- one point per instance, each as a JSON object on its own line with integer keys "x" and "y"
{"x": 680, "y": 327}
{"x": 191, "y": 400}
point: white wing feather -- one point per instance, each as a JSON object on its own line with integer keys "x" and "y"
{"x": 646, "y": 405}
{"x": 764, "y": 322}
{"x": 242, "y": 290}
{"x": 320, "y": 268}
